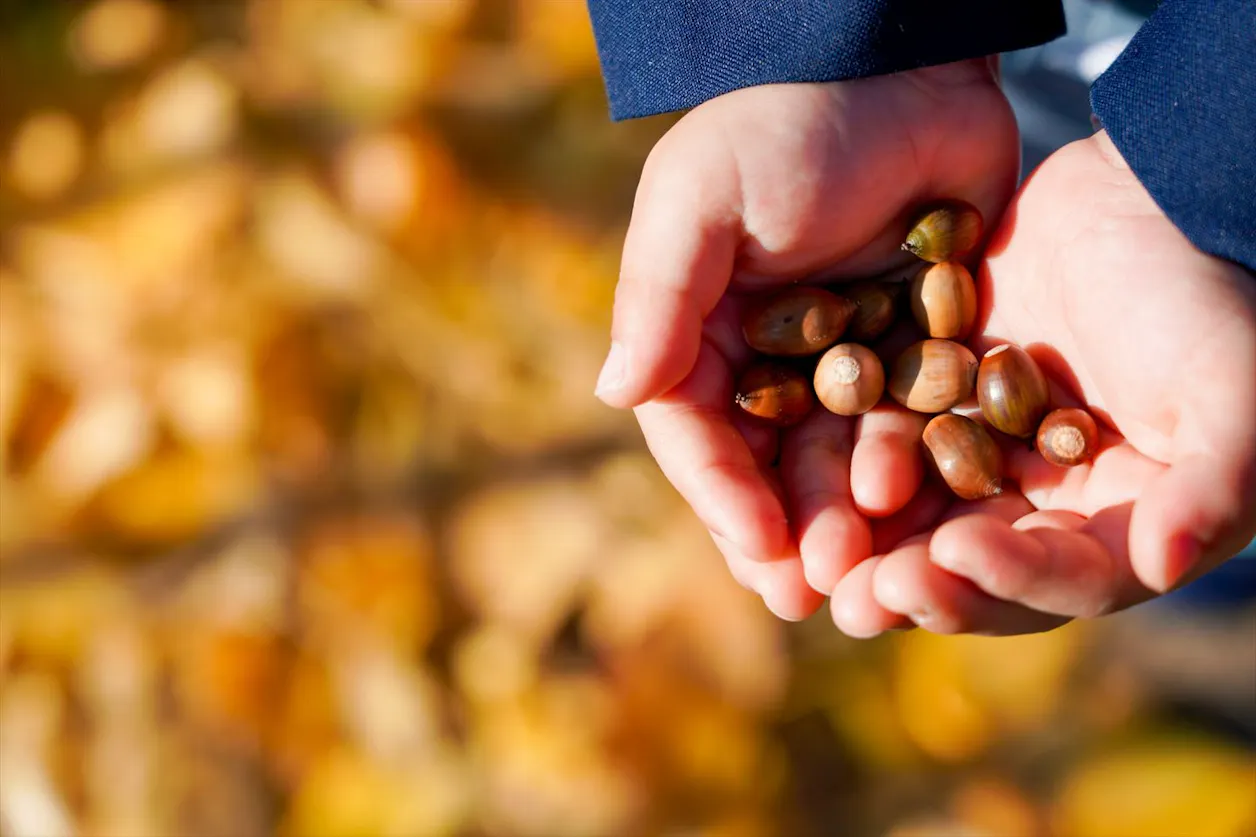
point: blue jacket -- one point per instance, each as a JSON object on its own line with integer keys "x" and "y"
{"x": 1179, "y": 103}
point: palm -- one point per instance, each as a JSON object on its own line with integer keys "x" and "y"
{"x": 763, "y": 187}
{"x": 1156, "y": 339}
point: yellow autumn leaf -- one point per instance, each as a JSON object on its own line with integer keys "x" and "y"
{"x": 1162, "y": 784}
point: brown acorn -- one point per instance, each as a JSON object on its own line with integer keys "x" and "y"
{"x": 849, "y": 379}
{"x": 775, "y": 393}
{"x": 964, "y": 455}
{"x": 1067, "y": 437}
{"x": 933, "y": 375}
{"x": 876, "y": 306}
{"x": 944, "y": 300}
{"x": 1012, "y": 391}
{"x": 944, "y": 231}
{"x": 800, "y": 321}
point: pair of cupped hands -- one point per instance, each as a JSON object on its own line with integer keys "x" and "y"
{"x": 778, "y": 184}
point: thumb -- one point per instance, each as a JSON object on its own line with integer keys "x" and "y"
{"x": 1195, "y": 515}
{"x": 677, "y": 263}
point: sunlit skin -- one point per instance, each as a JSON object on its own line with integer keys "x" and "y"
{"x": 770, "y": 185}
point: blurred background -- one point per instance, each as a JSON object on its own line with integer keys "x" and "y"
{"x": 310, "y": 525}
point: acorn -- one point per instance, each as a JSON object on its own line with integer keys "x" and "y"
{"x": 933, "y": 375}
{"x": 944, "y": 231}
{"x": 775, "y": 393}
{"x": 1012, "y": 391}
{"x": 876, "y": 306}
{"x": 1067, "y": 437}
{"x": 964, "y": 455}
{"x": 796, "y": 322}
{"x": 849, "y": 379}
{"x": 944, "y": 300}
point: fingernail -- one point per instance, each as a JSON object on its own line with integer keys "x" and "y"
{"x": 1183, "y": 555}
{"x": 613, "y": 371}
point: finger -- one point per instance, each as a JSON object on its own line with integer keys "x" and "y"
{"x": 921, "y": 514}
{"x": 815, "y": 467}
{"x": 1050, "y": 561}
{"x": 855, "y": 610}
{"x": 886, "y": 466}
{"x": 906, "y": 582}
{"x": 722, "y": 330}
{"x": 677, "y": 261}
{"x": 1117, "y": 474}
{"x": 1198, "y": 513}
{"x": 702, "y": 454}
{"x": 779, "y": 583}
{"x": 762, "y": 440}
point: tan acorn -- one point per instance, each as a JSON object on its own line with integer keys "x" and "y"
{"x": 849, "y": 379}
{"x": 944, "y": 300}
{"x": 964, "y": 455}
{"x": 775, "y": 393}
{"x": 1068, "y": 437}
{"x": 876, "y": 306}
{"x": 1012, "y": 391}
{"x": 796, "y": 322}
{"x": 944, "y": 231}
{"x": 933, "y": 375}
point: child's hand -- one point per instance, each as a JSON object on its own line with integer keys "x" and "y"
{"x": 758, "y": 188}
{"x": 1160, "y": 340}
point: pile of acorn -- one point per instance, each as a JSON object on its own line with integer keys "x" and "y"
{"x": 790, "y": 328}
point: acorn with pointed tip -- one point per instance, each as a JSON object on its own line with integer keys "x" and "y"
{"x": 876, "y": 307}
{"x": 1012, "y": 391}
{"x": 775, "y": 393}
{"x": 796, "y": 322}
{"x": 945, "y": 231}
{"x": 964, "y": 455}
{"x": 944, "y": 300}
{"x": 933, "y": 375}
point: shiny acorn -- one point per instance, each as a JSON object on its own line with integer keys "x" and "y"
{"x": 933, "y": 375}
{"x": 1067, "y": 437}
{"x": 849, "y": 379}
{"x": 1012, "y": 391}
{"x": 944, "y": 231}
{"x": 775, "y": 393}
{"x": 876, "y": 306}
{"x": 796, "y": 322}
{"x": 964, "y": 455}
{"x": 944, "y": 300}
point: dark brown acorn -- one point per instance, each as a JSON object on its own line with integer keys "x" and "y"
{"x": 849, "y": 379}
{"x": 876, "y": 306}
{"x": 944, "y": 231}
{"x": 933, "y": 375}
{"x": 944, "y": 300}
{"x": 1012, "y": 391}
{"x": 964, "y": 455}
{"x": 1068, "y": 437}
{"x": 775, "y": 393}
{"x": 800, "y": 321}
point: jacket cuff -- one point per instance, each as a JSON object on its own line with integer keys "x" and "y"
{"x": 659, "y": 56}
{"x": 1179, "y": 103}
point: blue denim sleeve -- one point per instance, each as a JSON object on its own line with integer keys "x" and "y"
{"x": 1180, "y": 105}
{"x": 666, "y": 55}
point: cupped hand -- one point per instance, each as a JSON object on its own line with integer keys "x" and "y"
{"x": 1158, "y": 341}
{"x": 765, "y": 187}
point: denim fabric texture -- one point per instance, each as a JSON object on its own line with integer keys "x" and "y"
{"x": 1180, "y": 105}
{"x": 659, "y": 56}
